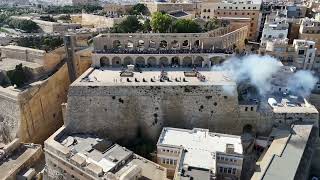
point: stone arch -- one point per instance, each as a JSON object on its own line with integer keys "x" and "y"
{"x": 104, "y": 61}
{"x": 164, "y": 61}
{"x": 130, "y": 44}
{"x": 198, "y": 61}
{"x": 187, "y": 61}
{"x": 116, "y": 44}
{"x": 215, "y": 60}
{"x": 196, "y": 44}
{"x": 127, "y": 60}
{"x": 163, "y": 44}
{"x": 116, "y": 61}
{"x": 140, "y": 61}
{"x": 141, "y": 44}
{"x": 175, "y": 44}
{"x": 152, "y": 44}
{"x": 175, "y": 60}
{"x": 185, "y": 44}
{"x": 248, "y": 128}
{"x": 152, "y": 62}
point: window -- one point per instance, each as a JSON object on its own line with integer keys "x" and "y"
{"x": 224, "y": 7}
{"x": 167, "y": 150}
{"x": 244, "y": 7}
{"x": 309, "y": 60}
{"x": 220, "y": 169}
{"x": 225, "y": 97}
{"x": 253, "y": 14}
{"x": 252, "y": 19}
{"x": 222, "y": 158}
{"x": 246, "y": 109}
{"x": 301, "y": 52}
{"x": 235, "y": 160}
{"x": 248, "y": 13}
{"x": 218, "y": 12}
{"x": 174, "y": 162}
{"x": 163, "y": 161}
{"x": 204, "y": 10}
{"x": 242, "y": 13}
{"x": 229, "y": 13}
{"x": 218, "y": 157}
{"x": 218, "y": 7}
{"x": 225, "y": 170}
{"x": 227, "y": 159}
{"x": 209, "y": 10}
{"x": 249, "y": 7}
{"x": 171, "y": 161}
{"x": 251, "y": 108}
{"x": 229, "y": 170}
{"x": 236, "y": 7}
{"x": 231, "y": 160}
{"x": 235, "y": 13}
{"x": 234, "y": 170}
{"x": 224, "y": 12}
{"x": 254, "y": 8}
{"x": 167, "y": 161}
{"x": 230, "y": 7}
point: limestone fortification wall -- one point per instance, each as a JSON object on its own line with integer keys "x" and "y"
{"x": 35, "y": 113}
{"x": 9, "y": 116}
{"x": 99, "y": 21}
{"x": 120, "y": 112}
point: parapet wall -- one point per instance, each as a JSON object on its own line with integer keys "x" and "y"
{"x": 123, "y": 112}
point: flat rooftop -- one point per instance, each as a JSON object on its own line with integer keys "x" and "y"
{"x": 147, "y": 77}
{"x": 199, "y": 144}
{"x": 103, "y": 156}
{"x": 11, "y": 165}
{"x": 286, "y": 103}
{"x": 8, "y": 64}
{"x": 282, "y": 159}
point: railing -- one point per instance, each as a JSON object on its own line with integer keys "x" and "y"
{"x": 164, "y": 51}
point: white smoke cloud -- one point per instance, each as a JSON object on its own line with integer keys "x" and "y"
{"x": 257, "y": 70}
{"x": 302, "y": 82}
{"x": 261, "y": 71}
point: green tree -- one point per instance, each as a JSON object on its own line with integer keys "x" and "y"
{"x": 23, "y": 24}
{"x": 138, "y": 9}
{"x": 19, "y": 76}
{"x": 185, "y": 26}
{"x": 130, "y": 25}
{"x": 146, "y": 27}
{"x": 161, "y": 22}
{"x": 212, "y": 24}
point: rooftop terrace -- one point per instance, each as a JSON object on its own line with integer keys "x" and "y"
{"x": 200, "y": 144}
{"x": 286, "y": 103}
{"x": 101, "y": 156}
{"x": 153, "y": 76}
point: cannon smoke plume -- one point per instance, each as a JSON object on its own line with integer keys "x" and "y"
{"x": 259, "y": 71}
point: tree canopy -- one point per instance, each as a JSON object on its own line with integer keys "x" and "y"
{"x": 185, "y": 26}
{"x": 138, "y": 9}
{"x": 71, "y": 9}
{"x": 212, "y": 24}
{"x": 130, "y": 25}
{"x": 23, "y": 24}
{"x": 19, "y": 76}
{"x": 47, "y": 43}
{"x": 161, "y": 22}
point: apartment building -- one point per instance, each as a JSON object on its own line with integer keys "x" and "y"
{"x": 199, "y": 154}
{"x": 233, "y": 10}
{"x": 310, "y": 30}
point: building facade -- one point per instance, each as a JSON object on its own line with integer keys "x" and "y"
{"x": 234, "y": 10}
{"x": 184, "y": 152}
{"x": 85, "y": 156}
